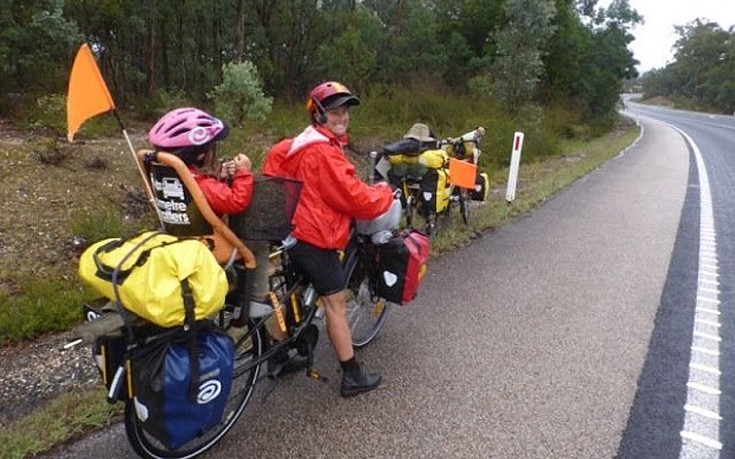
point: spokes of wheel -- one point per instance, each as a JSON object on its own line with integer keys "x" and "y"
{"x": 365, "y": 315}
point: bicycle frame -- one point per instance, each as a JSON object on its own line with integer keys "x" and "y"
{"x": 299, "y": 302}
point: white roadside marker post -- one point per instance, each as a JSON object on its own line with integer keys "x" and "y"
{"x": 515, "y": 160}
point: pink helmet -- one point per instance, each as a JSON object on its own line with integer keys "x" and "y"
{"x": 185, "y": 128}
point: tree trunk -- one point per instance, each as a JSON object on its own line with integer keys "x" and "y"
{"x": 240, "y": 31}
{"x": 150, "y": 50}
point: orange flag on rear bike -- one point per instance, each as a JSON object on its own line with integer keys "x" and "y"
{"x": 88, "y": 95}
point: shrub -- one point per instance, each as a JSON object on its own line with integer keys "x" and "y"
{"x": 43, "y": 305}
{"x": 240, "y": 95}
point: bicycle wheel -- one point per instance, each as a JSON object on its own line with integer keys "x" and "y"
{"x": 464, "y": 205}
{"x": 248, "y": 349}
{"x": 365, "y": 314}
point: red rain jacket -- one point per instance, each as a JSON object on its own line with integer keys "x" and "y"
{"x": 223, "y": 198}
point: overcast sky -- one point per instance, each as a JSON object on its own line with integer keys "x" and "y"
{"x": 654, "y": 39}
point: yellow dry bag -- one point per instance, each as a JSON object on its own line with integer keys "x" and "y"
{"x": 145, "y": 273}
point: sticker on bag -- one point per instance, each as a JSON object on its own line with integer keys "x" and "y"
{"x": 401, "y": 266}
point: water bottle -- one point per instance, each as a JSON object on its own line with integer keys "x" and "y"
{"x": 309, "y": 299}
{"x": 309, "y": 296}
{"x": 381, "y": 237}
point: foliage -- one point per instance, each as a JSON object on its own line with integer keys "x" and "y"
{"x": 352, "y": 55}
{"x": 164, "y": 100}
{"x": 43, "y": 305}
{"x": 518, "y": 51}
{"x": 49, "y": 112}
{"x": 588, "y": 56}
{"x": 240, "y": 95}
{"x": 103, "y": 224}
{"x": 703, "y": 69}
{"x": 518, "y": 67}
{"x": 36, "y": 41}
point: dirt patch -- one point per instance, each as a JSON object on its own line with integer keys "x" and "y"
{"x": 48, "y": 185}
{"x": 33, "y": 373}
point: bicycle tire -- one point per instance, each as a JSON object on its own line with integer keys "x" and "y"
{"x": 464, "y": 205}
{"x": 366, "y": 314}
{"x": 410, "y": 209}
{"x": 247, "y": 349}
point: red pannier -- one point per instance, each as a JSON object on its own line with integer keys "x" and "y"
{"x": 401, "y": 265}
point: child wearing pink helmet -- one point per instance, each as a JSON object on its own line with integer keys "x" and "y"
{"x": 192, "y": 135}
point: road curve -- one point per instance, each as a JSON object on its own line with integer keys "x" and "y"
{"x": 528, "y": 343}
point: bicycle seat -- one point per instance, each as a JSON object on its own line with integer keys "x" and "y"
{"x": 411, "y": 147}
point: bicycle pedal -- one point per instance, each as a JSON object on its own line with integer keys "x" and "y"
{"x": 313, "y": 374}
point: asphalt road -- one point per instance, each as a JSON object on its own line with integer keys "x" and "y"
{"x": 528, "y": 343}
{"x": 686, "y": 397}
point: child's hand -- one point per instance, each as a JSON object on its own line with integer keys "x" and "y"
{"x": 227, "y": 169}
{"x": 242, "y": 162}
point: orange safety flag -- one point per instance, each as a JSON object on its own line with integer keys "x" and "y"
{"x": 88, "y": 95}
{"x": 462, "y": 173}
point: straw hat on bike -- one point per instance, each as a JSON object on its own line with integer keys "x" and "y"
{"x": 420, "y": 132}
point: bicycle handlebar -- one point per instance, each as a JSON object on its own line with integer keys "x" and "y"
{"x": 474, "y": 135}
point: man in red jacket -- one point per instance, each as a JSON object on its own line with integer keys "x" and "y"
{"x": 331, "y": 196}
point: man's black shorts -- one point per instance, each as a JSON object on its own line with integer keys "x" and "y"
{"x": 319, "y": 266}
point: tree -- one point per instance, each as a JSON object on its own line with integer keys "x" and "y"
{"x": 588, "y": 55}
{"x": 240, "y": 95}
{"x": 700, "y": 48}
{"x": 37, "y": 43}
{"x": 519, "y": 66}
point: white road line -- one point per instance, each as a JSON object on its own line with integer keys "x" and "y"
{"x": 703, "y": 359}
{"x": 706, "y": 441}
{"x": 707, "y": 322}
{"x": 705, "y": 368}
{"x": 706, "y": 351}
{"x": 703, "y": 412}
{"x": 707, "y": 336}
{"x": 703, "y": 388}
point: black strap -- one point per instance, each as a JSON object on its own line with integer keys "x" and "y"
{"x": 190, "y": 326}
{"x": 106, "y": 272}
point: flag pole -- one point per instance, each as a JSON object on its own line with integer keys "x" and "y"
{"x": 88, "y": 96}
{"x": 146, "y": 185}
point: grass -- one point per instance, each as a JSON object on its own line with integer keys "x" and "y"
{"x": 42, "y": 306}
{"x": 75, "y": 413}
{"x": 64, "y": 418}
{"x": 45, "y": 305}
